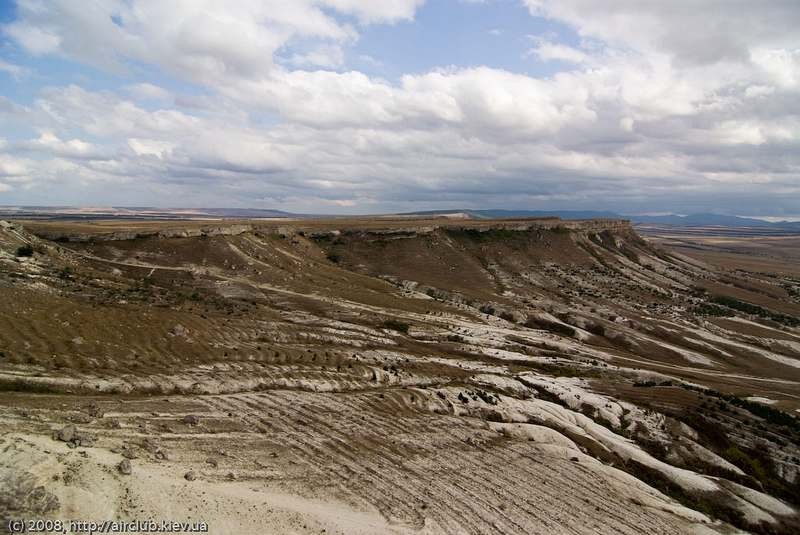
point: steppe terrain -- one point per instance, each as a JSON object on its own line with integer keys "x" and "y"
{"x": 400, "y": 376}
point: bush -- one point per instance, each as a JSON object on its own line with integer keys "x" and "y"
{"x": 755, "y": 310}
{"x": 396, "y": 326}
{"x": 707, "y": 309}
{"x": 549, "y": 325}
{"x": 596, "y": 329}
{"x": 508, "y": 316}
{"x": 25, "y": 250}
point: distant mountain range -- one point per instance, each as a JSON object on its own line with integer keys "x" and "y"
{"x": 693, "y": 220}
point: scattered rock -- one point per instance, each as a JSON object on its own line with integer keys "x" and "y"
{"x": 80, "y": 418}
{"x": 84, "y": 439}
{"x": 124, "y": 467}
{"x": 149, "y": 446}
{"x": 113, "y": 423}
{"x": 73, "y": 437}
{"x": 93, "y": 409}
{"x": 191, "y": 419}
{"x": 179, "y": 330}
{"x": 67, "y": 434}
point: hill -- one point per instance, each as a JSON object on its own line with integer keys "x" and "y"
{"x": 396, "y": 370}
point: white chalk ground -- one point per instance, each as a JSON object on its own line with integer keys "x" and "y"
{"x": 759, "y": 399}
{"x": 96, "y": 491}
{"x": 756, "y": 506}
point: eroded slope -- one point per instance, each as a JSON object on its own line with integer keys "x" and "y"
{"x": 526, "y": 376}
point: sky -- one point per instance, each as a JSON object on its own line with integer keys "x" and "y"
{"x": 368, "y": 106}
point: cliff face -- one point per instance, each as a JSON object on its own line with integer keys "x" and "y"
{"x": 81, "y": 233}
{"x": 55, "y": 234}
{"x": 524, "y": 225}
{"x": 471, "y": 258}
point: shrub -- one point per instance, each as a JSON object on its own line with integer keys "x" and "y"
{"x": 707, "y": 309}
{"x": 396, "y": 326}
{"x": 596, "y": 329}
{"x": 508, "y": 316}
{"x": 25, "y": 250}
{"x": 755, "y": 310}
{"x": 549, "y": 325}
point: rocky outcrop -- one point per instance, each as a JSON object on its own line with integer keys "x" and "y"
{"x": 189, "y": 232}
{"x": 520, "y": 225}
{"x": 329, "y": 231}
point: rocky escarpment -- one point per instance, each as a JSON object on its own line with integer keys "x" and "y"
{"x": 587, "y": 225}
{"x": 83, "y": 233}
{"x": 189, "y": 232}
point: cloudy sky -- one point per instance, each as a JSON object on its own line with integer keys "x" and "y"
{"x": 364, "y": 106}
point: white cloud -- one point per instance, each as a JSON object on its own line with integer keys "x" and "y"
{"x": 782, "y": 66}
{"x": 11, "y": 166}
{"x": 691, "y": 32}
{"x": 151, "y": 147}
{"x": 373, "y": 11}
{"x": 15, "y": 71}
{"x": 758, "y": 91}
{"x": 547, "y": 51}
{"x": 200, "y": 40}
{"x": 146, "y": 91}
{"x": 74, "y": 148}
{"x": 639, "y": 115}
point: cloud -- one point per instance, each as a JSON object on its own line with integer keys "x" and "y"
{"x": 11, "y": 166}
{"x": 547, "y": 51}
{"x": 693, "y": 33}
{"x": 638, "y": 120}
{"x": 375, "y": 11}
{"x": 199, "y": 40}
{"x": 15, "y": 71}
{"x": 74, "y": 148}
{"x": 146, "y": 91}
